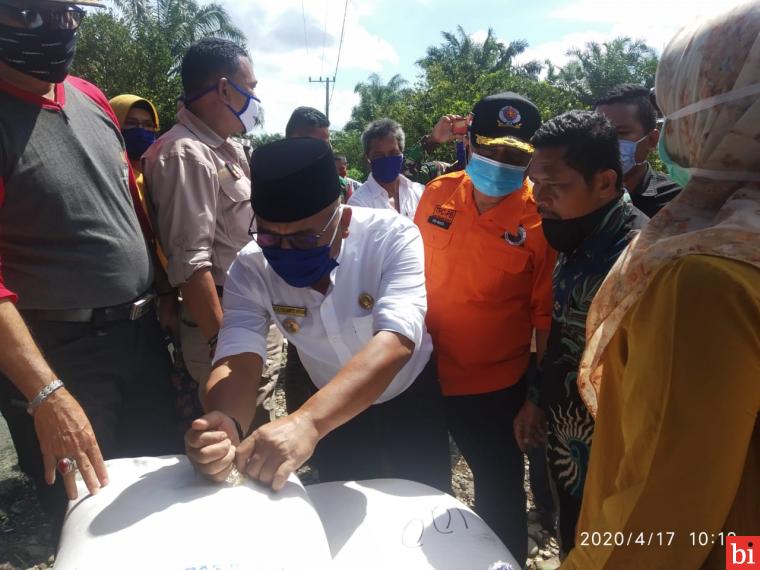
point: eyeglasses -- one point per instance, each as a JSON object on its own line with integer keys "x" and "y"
{"x": 296, "y": 241}
{"x": 147, "y": 124}
{"x": 68, "y": 18}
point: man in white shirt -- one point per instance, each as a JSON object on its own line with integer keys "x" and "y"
{"x": 386, "y": 187}
{"x": 347, "y": 288}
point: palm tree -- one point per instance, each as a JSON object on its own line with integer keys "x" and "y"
{"x": 179, "y": 22}
{"x": 459, "y": 55}
{"x": 597, "y": 67}
{"x": 377, "y": 98}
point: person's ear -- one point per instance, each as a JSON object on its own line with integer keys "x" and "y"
{"x": 653, "y": 138}
{"x": 345, "y": 221}
{"x": 606, "y": 181}
{"x": 223, "y": 88}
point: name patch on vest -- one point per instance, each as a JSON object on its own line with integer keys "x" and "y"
{"x": 442, "y": 217}
{"x": 289, "y": 311}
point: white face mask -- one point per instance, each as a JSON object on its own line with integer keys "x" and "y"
{"x": 252, "y": 113}
{"x": 683, "y": 173}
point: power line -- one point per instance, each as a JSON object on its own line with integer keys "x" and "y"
{"x": 324, "y": 35}
{"x": 340, "y": 47}
{"x": 327, "y": 82}
{"x": 305, "y": 37}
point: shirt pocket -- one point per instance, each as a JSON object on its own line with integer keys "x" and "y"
{"x": 436, "y": 242}
{"x": 236, "y": 187}
{"x": 234, "y": 206}
{"x": 504, "y": 274}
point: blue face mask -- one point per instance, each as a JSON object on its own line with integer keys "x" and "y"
{"x": 493, "y": 178}
{"x": 628, "y": 153}
{"x": 387, "y": 168}
{"x": 137, "y": 141}
{"x": 301, "y": 267}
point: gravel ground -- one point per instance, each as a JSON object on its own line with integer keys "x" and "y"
{"x": 25, "y": 540}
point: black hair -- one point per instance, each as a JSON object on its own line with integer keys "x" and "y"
{"x": 208, "y": 60}
{"x": 304, "y": 118}
{"x": 341, "y": 157}
{"x": 631, "y": 94}
{"x": 589, "y": 139}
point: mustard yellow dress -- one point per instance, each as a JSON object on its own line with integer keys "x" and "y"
{"x": 677, "y": 443}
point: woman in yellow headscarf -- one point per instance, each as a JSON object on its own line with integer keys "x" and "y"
{"x": 139, "y": 124}
{"x": 138, "y": 120}
{"x": 672, "y": 363}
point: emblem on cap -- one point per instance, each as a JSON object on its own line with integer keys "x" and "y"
{"x": 366, "y": 301}
{"x": 509, "y": 117}
{"x": 291, "y": 326}
{"x": 518, "y": 239}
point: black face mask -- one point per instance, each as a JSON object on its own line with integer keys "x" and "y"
{"x": 567, "y": 235}
{"x": 43, "y": 53}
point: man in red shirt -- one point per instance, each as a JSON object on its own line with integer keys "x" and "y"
{"x": 84, "y": 372}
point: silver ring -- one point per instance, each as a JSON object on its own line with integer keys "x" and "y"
{"x": 234, "y": 477}
{"x": 66, "y": 465}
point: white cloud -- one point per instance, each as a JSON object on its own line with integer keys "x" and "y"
{"x": 556, "y": 50}
{"x": 479, "y": 36}
{"x": 285, "y": 57}
{"x": 654, "y": 21}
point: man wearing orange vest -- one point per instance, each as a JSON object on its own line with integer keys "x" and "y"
{"x": 488, "y": 269}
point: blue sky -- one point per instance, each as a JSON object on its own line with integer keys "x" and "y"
{"x": 387, "y": 37}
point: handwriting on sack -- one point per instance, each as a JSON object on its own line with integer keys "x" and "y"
{"x": 213, "y": 567}
{"x": 441, "y": 521}
{"x": 216, "y": 567}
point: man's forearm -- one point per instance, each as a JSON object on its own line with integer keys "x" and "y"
{"x": 20, "y": 359}
{"x": 233, "y": 386}
{"x": 359, "y": 383}
{"x": 202, "y": 302}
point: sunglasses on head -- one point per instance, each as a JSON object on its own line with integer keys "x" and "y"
{"x": 65, "y": 18}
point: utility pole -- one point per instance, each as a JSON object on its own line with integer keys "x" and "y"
{"x": 326, "y": 81}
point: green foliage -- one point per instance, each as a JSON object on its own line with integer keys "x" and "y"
{"x": 460, "y": 71}
{"x": 265, "y": 138}
{"x": 137, "y": 48}
{"x": 454, "y": 76}
{"x": 180, "y": 23}
{"x": 348, "y": 142}
{"x": 461, "y": 56}
{"x": 357, "y": 175}
{"x": 376, "y": 97}
{"x": 598, "y": 67}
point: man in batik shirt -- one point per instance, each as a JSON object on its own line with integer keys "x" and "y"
{"x": 587, "y": 217}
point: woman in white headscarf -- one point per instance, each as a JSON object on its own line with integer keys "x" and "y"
{"x": 672, "y": 364}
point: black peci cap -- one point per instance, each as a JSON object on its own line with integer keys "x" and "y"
{"x": 292, "y": 179}
{"x": 505, "y": 119}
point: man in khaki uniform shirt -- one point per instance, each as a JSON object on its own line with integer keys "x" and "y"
{"x": 198, "y": 182}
